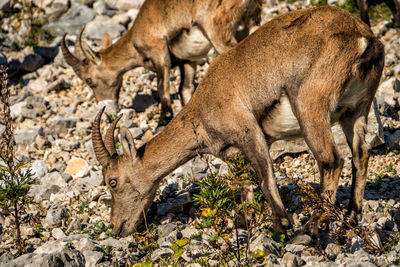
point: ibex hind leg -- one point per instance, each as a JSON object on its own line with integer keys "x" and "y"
{"x": 354, "y": 127}
{"x": 255, "y": 149}
{"x": 314, "y": 121}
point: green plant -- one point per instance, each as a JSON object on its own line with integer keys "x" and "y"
{"x": 15, "y": 177}
{"x": 83, "y": 207}
{"x": 227, "y": 202}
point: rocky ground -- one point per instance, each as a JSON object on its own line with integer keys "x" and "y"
{"x": 53, "y": 110}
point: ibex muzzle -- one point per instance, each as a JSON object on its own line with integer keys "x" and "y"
{"x": 294, "y": 76}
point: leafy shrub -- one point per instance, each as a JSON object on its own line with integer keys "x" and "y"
{"x": 228, "y": 202}
{"x": 15, "y": 177}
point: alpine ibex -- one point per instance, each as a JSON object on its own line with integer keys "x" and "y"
{"x": 294, "y": 76}
{"x": 394, "y": 6}
{"x": 165, "y": 34}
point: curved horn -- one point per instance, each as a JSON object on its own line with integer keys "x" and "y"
{"x": 87, "y": 51}
{"x": 100, "y": 150}
{"x": 78, "y": 45}
{"x": 109, "y": 138}
{"x": 74, "y": 62}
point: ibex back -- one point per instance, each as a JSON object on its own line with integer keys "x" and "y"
{"x": 165, "y": 34}
{"x": 295, "y": 75}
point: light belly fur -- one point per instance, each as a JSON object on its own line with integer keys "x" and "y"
{"x": 191, "y": 45}
{"x": 281, "y": 123}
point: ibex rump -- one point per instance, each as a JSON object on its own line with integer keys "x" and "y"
{"x": 295, "y": 75}
{"x": 165, "y": 34}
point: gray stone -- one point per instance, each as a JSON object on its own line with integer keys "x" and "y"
{"x": 111, "y": 242}
{"x": 51, "y": 247}
{"x": 38, "y": 85}
{"x": 393, "y": 139}
{"x": 36, "y": 103}
{"x": 56, "y": 214}
{"x": 47, "y": 52}
{"x": 96, "y": 29}
{"x": 39, "y": 168}
{"x": 27, "y": 135}
{"x": 125, "y": 4}
{"x": 85, "y": 244}
{"x": 136, "y": 132}
{"x": 92, "y": 258}
{"x": 57, "y": 233}
{"x": 296, "y": 249}
{"x": 290, "y": 260}
{"x": 67, "y": 258}
{"x": 72, "y": 21}
{"x": 174, "y": 205}
{"x": 56, "y": 9}
{"x": 67, "y": 145}
{"x": 189, "y": 232}
{"x": 111, "y": 108}
{"x": 161, "y": 253}
{"x": 332, "y": 250}
{"x": 5, "y": 4}
{"x": 39, "y": 192}
{"x": 101, "y": 8}
{"x": 4, "y": 258}
{"x": 387, "y": 98}
{"x": 265, "y": 243}
{"x": 32, "y": 62}
{"x": 60, "y": 124}
{"x": 302, "y": 239}
{"x": 83, "y": 128}
{"x": 53, "y": 178}
{"x": 95, "y": 178}
{"x": 17, "y": 109}
{"x": 74, "y": 225}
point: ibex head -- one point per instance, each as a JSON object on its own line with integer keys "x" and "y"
{"x": 123, "y": 176}
{"x": 91, "y": 67}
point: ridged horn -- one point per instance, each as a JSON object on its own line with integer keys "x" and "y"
{"x": 74, "y": 62}
{"x": 87, "y": 50}
{"x": 78, "y": 45}
{"x": 109, "y": 138}
{"x": 102, "y": 154}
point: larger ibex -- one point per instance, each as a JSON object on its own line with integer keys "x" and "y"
{"x": 295, "y": 75}
{"x": 165, "y": 34}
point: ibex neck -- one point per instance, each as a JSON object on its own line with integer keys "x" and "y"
{"x": 122, "y": 54}
{"x": 171, "y": 148}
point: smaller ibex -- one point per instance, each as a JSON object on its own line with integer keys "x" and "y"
{"x": 165, "y": 34}
{"x": 294, "y": 76}
{"x": 394, "y": 6}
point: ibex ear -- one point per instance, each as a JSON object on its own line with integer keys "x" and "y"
{"x": 128, "y": 145}
{"x": 107, "y": 42}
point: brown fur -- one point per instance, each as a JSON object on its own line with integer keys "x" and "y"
{"x": 159, "y": 24}
{"x": 295, "y": 75}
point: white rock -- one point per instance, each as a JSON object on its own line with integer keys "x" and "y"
{"x": 57, "y": 233}
{"x": 39, "y": 168}
{"x": 51, "y": 247}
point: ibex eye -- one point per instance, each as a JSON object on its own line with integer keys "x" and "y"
{"x": 89, "y": 81}
{"x": 113, "y": 182}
